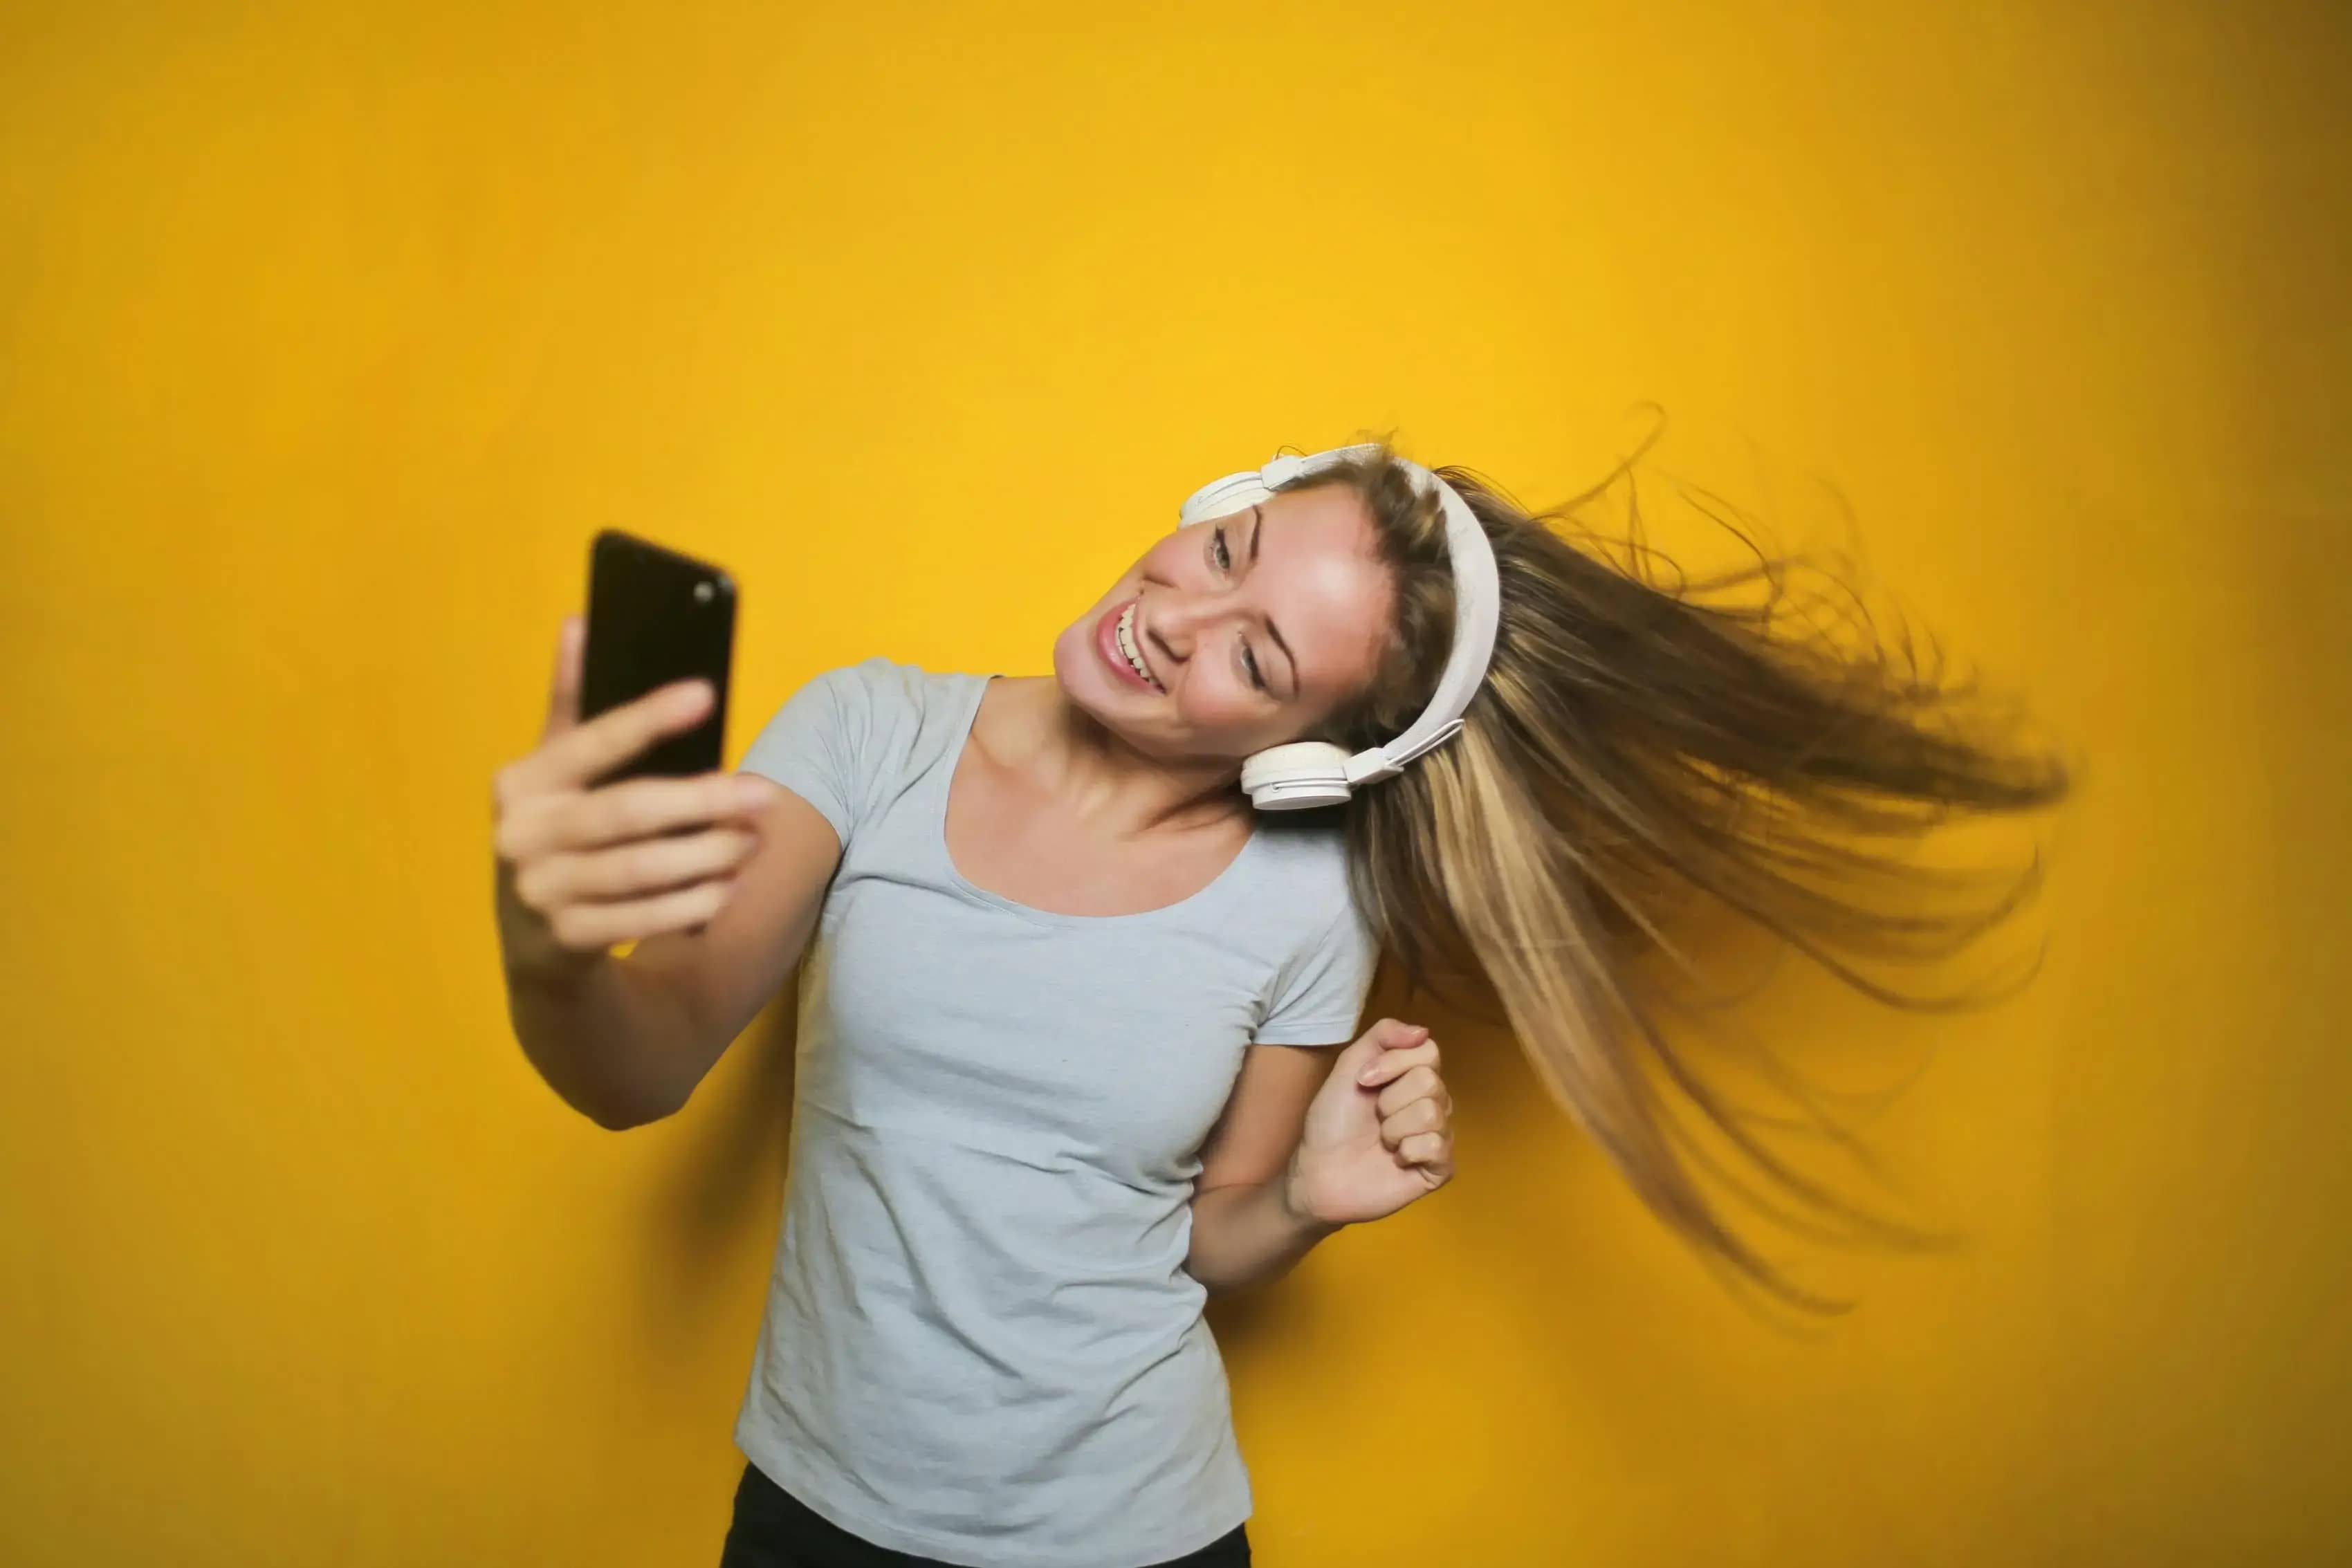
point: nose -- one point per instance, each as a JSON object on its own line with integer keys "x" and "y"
{"x": 1178, "y": 619}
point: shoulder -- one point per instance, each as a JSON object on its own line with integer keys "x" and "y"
{"x": 883, "y": 682}
{"x": 881, "y": 697}
{"x": 1303, "y": 858}
{"x": 1323, "y": 945}
{"x": 849, "y": 736}
{"x": 864, "y": 714}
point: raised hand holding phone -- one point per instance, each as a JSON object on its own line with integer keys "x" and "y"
{"x": 592, "y": 849}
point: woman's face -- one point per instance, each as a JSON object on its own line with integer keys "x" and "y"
{"x": 1251, "y": 630}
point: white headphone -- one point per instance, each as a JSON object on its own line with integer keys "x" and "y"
{"x": 1307, "y": 773}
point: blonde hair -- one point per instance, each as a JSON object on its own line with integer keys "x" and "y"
{"x": 1642, "y": 741}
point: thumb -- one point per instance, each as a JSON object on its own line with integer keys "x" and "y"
{"x": 563, "y": 692}
{"x": 1375, "y": 1042}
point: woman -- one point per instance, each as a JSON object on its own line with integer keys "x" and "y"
{"x": 1075, "y": 1015}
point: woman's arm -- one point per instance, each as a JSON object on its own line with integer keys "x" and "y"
{"x": 1244, "y": 1229}
{"x": 1312, "y": 1140}
{"x": 626, "y": 1041}
{"x": 716, "y": 880}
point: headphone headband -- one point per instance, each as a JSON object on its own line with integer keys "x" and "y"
{"x": 1312, "y": 773}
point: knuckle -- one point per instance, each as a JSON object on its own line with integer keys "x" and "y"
{"x": 672, "y": 865}
{"x": 630, "y": 811}
{"x": 728, "y": 850}
{"x": 655, "y": 812}
{"x": 640, "y": 865}
{"x": 688, "y": 800}
{"x": 665, "y": 807}
{"x": 525, "y": 836}
{"x": 529, "y": 826}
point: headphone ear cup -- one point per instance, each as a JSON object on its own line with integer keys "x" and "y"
{"x": 1298, "y": 777}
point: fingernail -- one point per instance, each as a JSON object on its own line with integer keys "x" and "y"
{"x": 1367, "y": 1075}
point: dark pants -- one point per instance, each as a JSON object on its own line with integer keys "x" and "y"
{"x": 774, "y": 1529}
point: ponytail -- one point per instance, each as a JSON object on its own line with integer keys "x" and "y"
{"x": 1643, "y": 743}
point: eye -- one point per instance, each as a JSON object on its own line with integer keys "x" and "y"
{"x": 1249, "y": 665}
{"x": 1219, "y": 552}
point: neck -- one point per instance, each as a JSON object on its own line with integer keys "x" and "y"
{"x": 1106, "y": 785}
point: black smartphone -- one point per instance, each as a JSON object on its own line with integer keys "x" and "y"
{"x": 656, "y": 616}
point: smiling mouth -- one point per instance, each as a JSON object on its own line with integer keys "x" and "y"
{"x": 1131, "y": 647}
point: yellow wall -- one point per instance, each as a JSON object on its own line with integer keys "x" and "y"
{"x": 328, "y": 335}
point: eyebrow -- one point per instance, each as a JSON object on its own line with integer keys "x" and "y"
{"x": 1258, "y": 531}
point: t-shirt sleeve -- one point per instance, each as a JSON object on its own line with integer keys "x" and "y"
{"x": 826, "y": 743}
{"x": 1319, "y": 996}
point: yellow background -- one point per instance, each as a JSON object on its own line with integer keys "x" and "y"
{"x": 328, "y": 334}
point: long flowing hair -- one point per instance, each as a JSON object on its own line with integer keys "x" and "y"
{"x": 1646, "y": 743}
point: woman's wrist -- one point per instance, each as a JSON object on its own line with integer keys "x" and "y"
{"x": 1297, "y": 1205}
{"x": 1243, "y": 1236}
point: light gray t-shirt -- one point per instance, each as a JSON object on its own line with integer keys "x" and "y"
{"x": 981, "y": 1342}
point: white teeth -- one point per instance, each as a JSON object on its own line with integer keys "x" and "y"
{"x": 1124, "y": 634}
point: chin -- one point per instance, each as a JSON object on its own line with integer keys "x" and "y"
{"x": 1094, "y": 691}
{"x": 1079, "y": 671}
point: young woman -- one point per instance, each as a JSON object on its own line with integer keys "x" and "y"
{"x": 1074, "y": 1008}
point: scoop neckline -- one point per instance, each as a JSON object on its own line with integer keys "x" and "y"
{"x": 1189, "y": 904}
